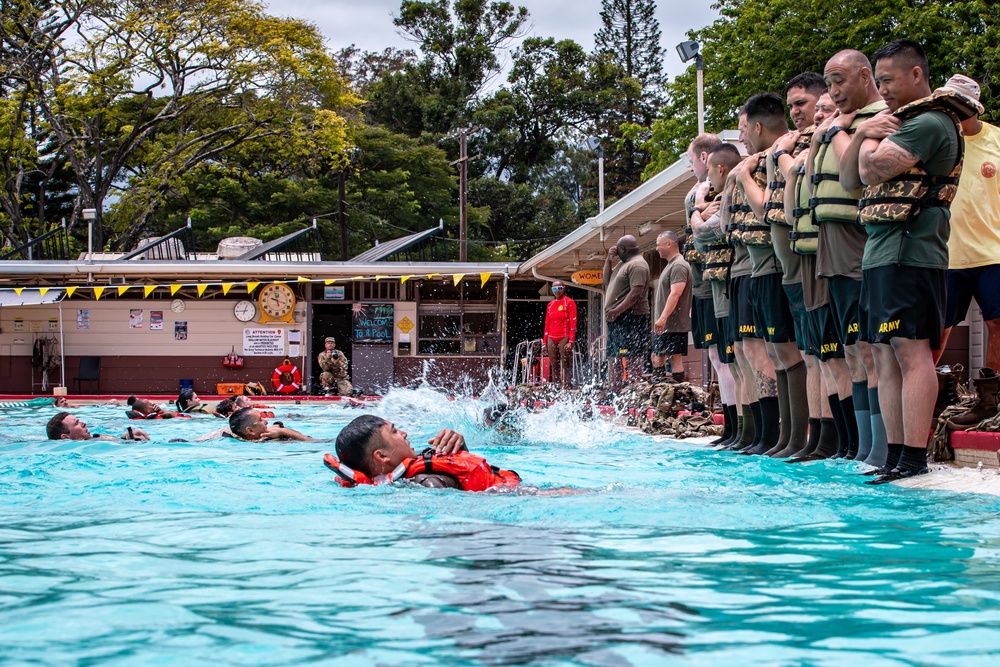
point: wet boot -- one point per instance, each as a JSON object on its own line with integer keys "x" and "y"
{"x": 947, "y": 389}
{"x": 678, "y": 377}
{"x": 987, "y": 387}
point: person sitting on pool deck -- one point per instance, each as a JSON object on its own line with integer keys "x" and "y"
{"x": 189, "y": 403}
{"x": 140, "y": 408}
{"x": 370, "y": 448}
{"x": 64, "y": 426}
{"x": 248, "y": 424}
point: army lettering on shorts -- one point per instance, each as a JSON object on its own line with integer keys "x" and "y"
{"x": 888, "y": 327}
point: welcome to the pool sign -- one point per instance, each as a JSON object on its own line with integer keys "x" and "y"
{"x": 372, "y": 323}
{"x": 264, "y": 342}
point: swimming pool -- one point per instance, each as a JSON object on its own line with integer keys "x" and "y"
{"x": 226, "y": 553}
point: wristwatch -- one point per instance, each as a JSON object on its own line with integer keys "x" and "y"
{"x": 832, "y": 131}
{"x": 776, "y": 155}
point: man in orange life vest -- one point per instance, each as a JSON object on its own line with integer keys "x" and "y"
{"x": 374, "y": 447}
{"x": 560, "y": 334}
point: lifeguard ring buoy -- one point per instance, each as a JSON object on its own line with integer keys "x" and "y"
{"x": 286, "y": 378}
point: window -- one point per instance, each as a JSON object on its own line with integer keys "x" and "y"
{"x": 458, "y": 320}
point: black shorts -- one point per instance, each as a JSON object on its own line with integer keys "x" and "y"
{"x": 845, "y": 296}
{"x": 670, "y": 342}
{"x": 824, "y": 342}
{"x": 772, "y": 316}
{"x": 628, "y": 336}
{"x": 981, "y": 282}
{"x": 724, "y": 341}
{"x": 703, "y": 324}
{"x": 740, "y": 311}
{"x": 797, "y": 304}
{"x": 903, "y": 302}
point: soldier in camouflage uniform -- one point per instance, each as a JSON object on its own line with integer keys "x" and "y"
{"x": 333, "y": 364}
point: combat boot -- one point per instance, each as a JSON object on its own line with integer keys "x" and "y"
{"x": 947, "y": 389}
{"x": 985, "y": 407}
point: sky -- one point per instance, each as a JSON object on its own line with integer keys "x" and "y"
{"x": 368, "y": 23}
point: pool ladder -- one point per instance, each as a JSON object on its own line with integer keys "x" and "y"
{"x": 530, "y": 357}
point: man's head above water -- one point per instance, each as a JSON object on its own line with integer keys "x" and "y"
{"x": 373, "y": 446}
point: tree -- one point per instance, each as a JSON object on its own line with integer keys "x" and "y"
{"x": 757, "y": 46}
{"x": 629, "y": 40}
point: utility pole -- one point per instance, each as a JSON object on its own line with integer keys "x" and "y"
{"x": 463, "y": 221}
{"x": 342, "y": 213}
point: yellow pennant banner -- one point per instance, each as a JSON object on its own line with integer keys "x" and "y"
{"x": 18, "y": 290}
{"x": 226, "y": 287}
{"x": 98, "y": 291}
{"x": 201, "y": 289}
{"x": 123, "y": 289}
{"x": 251, "y": 287}
{"x": 402, "y": 280}
{"x": 174, "y": 288}
{"x": 42, "y": 291}
{"x": 70, "y": 291}
{"x": 457, "y": 278}
{"x": 148, "y": 289}
{"x": 483, "y": 277}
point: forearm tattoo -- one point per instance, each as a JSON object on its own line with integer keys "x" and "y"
{"x": 767, "y": 387}
{"x": 885, "y": 162}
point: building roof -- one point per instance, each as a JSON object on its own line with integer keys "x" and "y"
{"x": 382, "y": 250}
{"x": 654, "y": 206}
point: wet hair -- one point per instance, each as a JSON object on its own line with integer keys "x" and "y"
{"x": 132, "y": 399}
{"x": 357, "y": 441}
{"x": 240, "y": 420}
{"x": 811, "y": 82}
{"x": 725, "y": 154}
{"x": 226, "y": 407}
{"x": 184, "y": 399}
{"x": 768, "y": 109}
{"x": 56, "y": 427}
{"x": 906, "y": 53}
{"x": 704, "y": 143}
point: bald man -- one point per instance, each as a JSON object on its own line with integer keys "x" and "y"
{"x": 626, "y": 309}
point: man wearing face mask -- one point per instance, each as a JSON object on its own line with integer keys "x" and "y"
{"x": 560, "y": 334}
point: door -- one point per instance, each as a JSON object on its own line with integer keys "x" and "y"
{"x": 330, "y": 320}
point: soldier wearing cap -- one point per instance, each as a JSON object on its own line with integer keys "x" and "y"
{"x": 333, "y": 364}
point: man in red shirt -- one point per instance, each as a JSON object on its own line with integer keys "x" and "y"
{"x": 560, "y": 334}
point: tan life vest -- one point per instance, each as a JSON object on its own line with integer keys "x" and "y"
{"x": 718, "y": 258}
{"x": 830, "y": 202}
{"x": 804, "y": 236}
{"x": 902, "y": 197}
{"x": 774, "y": 207}
{"x": 750, "y": 229}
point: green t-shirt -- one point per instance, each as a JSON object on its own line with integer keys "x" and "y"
{"x": 741, "y": 262}
{"x": 932, "y": 138}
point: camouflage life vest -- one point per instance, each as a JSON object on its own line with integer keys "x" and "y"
{"x": 774, "y": 207}
{"x": 750, "y": 229}
{"x": 718, "y": 258}
{"x": 691, "y": 254}
{"x": 804, "y": 236}
{"x": 902, "y": 197}
{"x": 830, "y": 202}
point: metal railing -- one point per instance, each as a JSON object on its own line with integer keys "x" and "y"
{"x": 53, "y": 244}
{"x": 304, "y": 245}
{"x": 178, "y": 244}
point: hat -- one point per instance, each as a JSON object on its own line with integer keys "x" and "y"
{"x": 330, "y": 339}
{"x": 967, "y": 88}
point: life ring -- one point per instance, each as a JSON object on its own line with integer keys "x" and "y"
{"x": 286, "y": 378}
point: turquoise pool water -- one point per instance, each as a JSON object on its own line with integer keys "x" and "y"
{"x": 225, "y": 553}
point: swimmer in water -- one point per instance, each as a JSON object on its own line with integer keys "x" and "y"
{"x": 148, "y": 409}
{"x": 248, "y": 424}
{"x": 64, "y": 426}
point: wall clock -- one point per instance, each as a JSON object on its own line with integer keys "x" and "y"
{"x": 245, "y": 310}
{"x": 177, "y": 306}
{"x": 277, "y": 301}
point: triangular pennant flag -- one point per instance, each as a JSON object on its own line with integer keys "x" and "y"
{"x": 357, "y": 277}
{"x": 457, "y": 278}
{"x": 174, "y": 288}
{"x": 18, "y": 290}
{"x": 304, "y": 280}
{"x": 123, "y": 289}
{"x": 330, "y": 282}
{"x": 147, "y": 290}
{"x": 251, "y": 287}
{"x": 279, "y": 282}
{"x": 98, "y": 291}
{"x": 483, "y": 277}
{"x": 226, "y": 287}
{"x": 402, "y": 281}
{"x": 69, "y": 291}
{"x": 378, "y": 278}
{"x": 431, "y": 275}
{"x": 201, "y": 289}
{"x": 42, "y": 291}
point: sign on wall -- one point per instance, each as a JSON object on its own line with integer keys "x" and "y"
{"x": 264, "y": 342}
{"x": 372, "y": 323}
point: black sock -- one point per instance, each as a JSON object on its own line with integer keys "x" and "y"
{"x": 769, "y": 427}
{"x": 737, "y": 429}
{"x": 727, "y": 426}
{"x": 798, "y": 401}
{"x": 913, "y": 459}
{"x": 839, "y": 424}
{"x": 814, "y": 428}
{"x": 895, "y": 452}
{"x": 827, "y": 445}
{"x": 751, "y": 427}
{"x": 784, "y": 409}
{"x": 851, "y": 422}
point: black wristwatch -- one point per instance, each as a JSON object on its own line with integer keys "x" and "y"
{"x": 777, "y": 154}
{"x": 832, "y": 131}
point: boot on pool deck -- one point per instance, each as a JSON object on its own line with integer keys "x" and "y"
{"x": 947, "y": 388}
{"x": 987, "y": 387}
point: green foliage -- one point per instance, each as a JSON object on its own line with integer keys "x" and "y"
{"x": 757, "y": 46}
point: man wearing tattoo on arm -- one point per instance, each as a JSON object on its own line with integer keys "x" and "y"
{"x": 906, "y": 257}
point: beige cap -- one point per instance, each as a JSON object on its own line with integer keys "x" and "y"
{"x": 966, "y": 87}
{"x": 331, "y": 339}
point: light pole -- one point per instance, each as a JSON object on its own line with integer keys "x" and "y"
{"x": 90, "y": 214}
{"x": 594, "y": 146}
{"x": 692, "y": 51}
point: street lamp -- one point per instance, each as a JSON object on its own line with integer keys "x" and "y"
{"x": 90, "y": 214}
{"x": 594, "y": 146}
{"x": 692, "y": 51}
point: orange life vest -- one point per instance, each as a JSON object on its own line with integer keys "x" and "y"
{"x": 132, "y": 414}
{"x": 473, "y": 472}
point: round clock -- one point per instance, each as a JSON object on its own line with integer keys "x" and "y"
{"x": 245, "y": 310}
{"x": 177, "y": 306}
{"x": 277, "y": 301}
